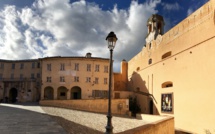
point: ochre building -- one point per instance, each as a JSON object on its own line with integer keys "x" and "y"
{"x": 20, "y": 80}
{"x": 175, "y": 71}
{"x": 74, "y": 78}
{"x": 54, "y": 78}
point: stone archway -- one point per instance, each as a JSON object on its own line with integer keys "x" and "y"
{"x": 48, "y": 93}
{"x": 76, "y": 92}
{"x": 62, "y": 93}
{"x": 13, "y": 95}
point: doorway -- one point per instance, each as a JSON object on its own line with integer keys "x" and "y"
{"x": 151, "y": 107}
{"x": 13, "y": 95}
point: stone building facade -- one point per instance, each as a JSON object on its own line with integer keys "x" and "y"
{"x": 74, "y": 78}
{"x": 59, "y": 78}
{"x": 175, "y": 71}
{"x": 20, "y": 80}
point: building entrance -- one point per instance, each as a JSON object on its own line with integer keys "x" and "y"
{"x": 76, "y": 93}
{"x": 151, "y": 107}
{"x": 13, "y": 95}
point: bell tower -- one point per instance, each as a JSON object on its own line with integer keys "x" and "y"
{"x": 155, "y": 25}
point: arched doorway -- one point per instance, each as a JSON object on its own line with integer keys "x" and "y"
{"x": 13, "y": 94}
{"x": 76, "y": 93}
{"x": 62, "y": 93}
{"x": 48, "y": 93}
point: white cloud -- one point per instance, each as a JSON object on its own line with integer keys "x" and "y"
{"x": 53, "y": 27}
{"x": 190, "y": 11}
{"x": 168, "y": 6}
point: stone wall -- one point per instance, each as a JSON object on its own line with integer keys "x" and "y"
{"x": 119, "y": 106}
{"x": 190, "y": 69}
{"x": 164, "y": 126}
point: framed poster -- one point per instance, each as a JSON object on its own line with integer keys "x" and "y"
{"x": 167, "y": 102}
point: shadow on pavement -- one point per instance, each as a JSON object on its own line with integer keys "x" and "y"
{"x": 74, "y": 128}
{"x": 18, "y": 120}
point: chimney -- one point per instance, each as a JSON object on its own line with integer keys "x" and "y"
{"x": 88, "y": 55}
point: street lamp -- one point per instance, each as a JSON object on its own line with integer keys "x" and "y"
{"x": 111, "y": 39}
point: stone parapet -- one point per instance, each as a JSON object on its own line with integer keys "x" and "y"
{"x": 158, "y": 125}
{"x": 119, "y": 106}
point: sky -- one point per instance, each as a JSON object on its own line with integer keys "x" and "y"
{"x": 31, "y": 29}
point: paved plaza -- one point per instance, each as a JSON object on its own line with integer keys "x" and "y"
{"x": 30, "y": 118}
{"x": 27, "y": 119}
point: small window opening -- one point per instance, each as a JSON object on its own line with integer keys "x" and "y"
{"x": 166, "y": 55}
{"x": 150, "y": 45}
{"x": 159, "y": 28}
{"x": 150, "y": 61}
{"x": 167, "y": 84}
{"x": 138, "y": 68}
{"x": 150, "y": 28}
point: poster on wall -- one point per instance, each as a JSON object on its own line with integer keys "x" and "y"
{"x": 167, "y": 102}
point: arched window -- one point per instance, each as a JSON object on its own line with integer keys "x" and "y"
{"x": 167, "y": 84}
{"x": 166, "y": 55}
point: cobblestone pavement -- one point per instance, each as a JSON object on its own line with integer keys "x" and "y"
{"x": 33, "y": 119}
{"x": 80, "y": 122}
{"x": 27, "y": 119}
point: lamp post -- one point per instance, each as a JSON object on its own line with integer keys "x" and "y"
{"x": 111, "y": 39}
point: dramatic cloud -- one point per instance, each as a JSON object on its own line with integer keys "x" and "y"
{"x": 53, "y": 27}
{"x": 168, "y": 6}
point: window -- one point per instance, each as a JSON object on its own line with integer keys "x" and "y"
{"x": 100, "y": 93}
{"x": 38, "y": 65}
{"x": 21, "y": 65}
{"x": 88, "y": 79}
{"x": 166, "y": 55}
{"x": 138, "y": 69}
{"x": 76, "y": 79}
{"x": 95, "y": 93}
{"x": 13, "y": 66}
{"x": 49, "y": 67}
{"x": 62, "y": 94}
{"x": 2, "y": 66}
{"x": 96, "y": 80}
{"x": 49, "y": 79}
{"x": 167, "y": 84}
{"x": 38, "y": 75}
{"x": 62, "y": 66}
{"x": 77, "y": 66}
{"x": 21, "y": 76}
{"x": 106, "y": 69}
{"x": 33, "y": 65}
{"x": 150, "y": 45}
{"x": 150, "y": 28}
{"x": 97, "y": 68}
{"x": 150, "y": 61}
{"x": 32, "y": 76}
{"x": 88, "y": 67}
{"x": 62, "y": 79}
{"x": 105, "y": 81}
{"x": 0, "y": 76}
{"x": 12, "y": 76}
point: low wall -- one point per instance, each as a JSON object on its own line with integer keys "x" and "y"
{"x": 162, "y": 126}
{"x": 118, "y": 106}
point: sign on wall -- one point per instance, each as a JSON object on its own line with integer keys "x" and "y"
{"x": 167, "y": 102}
